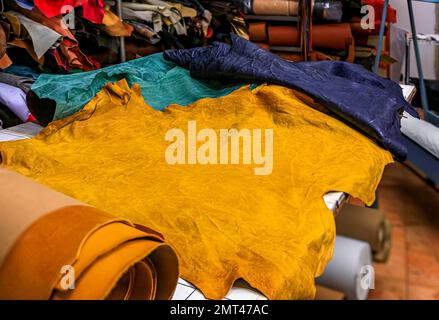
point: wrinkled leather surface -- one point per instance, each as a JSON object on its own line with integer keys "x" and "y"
{"x": 368, "y": 102}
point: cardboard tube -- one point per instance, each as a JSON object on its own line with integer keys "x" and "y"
{"x": 364, "y": 224}
{"x": 49, "y": 242}
{"x": 383, "y": 255}
{"x": 258, "y": 31}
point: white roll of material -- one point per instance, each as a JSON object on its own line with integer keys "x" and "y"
{"x": 350, "y": 270}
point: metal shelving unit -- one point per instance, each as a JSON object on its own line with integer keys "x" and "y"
{"x": 273, "y": 18}
{"x": 303, "y": 22}
{"x": 122, "y": 53}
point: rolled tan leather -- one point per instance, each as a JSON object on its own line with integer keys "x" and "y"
{"x": 276, "y": 7}
{"x": 43, "y": 231}
{"x": 258, "y": 31}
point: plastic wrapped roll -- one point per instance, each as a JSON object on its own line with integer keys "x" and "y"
{"x": 258, "y": 31}
{"x": 347, "y": 269}
{"x": 54, "y": 247}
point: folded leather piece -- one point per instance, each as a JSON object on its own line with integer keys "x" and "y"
{"x": 110, "y": 257}
{"x": 154, "y": 14}
{"x": 113, "y": 26}
{"x": 186, "y": 12}
{"x": 8, "y": 118}
{"x": 3, "y": 42}
{"x": 145, "y": 32}
{"x": 19, "y": 37}
{"x": 43, "y": 38}
{"x": 5, "y": 62}
{"x": 162, "y": 83}
{"x": 258, "y": 31}
{"x": 92, "y": 9}
{"x": 276, "y": 7}
{"x": 27, "y": 45}
{"x": 22, "y": 71}
{"x": 15, "y": 99}
{"x": 368, "y": 102}
{"x": 24, "y": 83}
{"x": 212, "y": 214}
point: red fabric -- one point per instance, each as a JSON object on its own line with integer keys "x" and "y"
{"x": 93, "y": 10}
{"x": 378, "y": 5}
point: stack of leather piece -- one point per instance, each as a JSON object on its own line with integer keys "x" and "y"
{"x": 44, "y": 35}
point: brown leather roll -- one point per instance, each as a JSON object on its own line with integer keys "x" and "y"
{"x": 276, "y": 7}
{"x": 258, "y": 31}
{"x": 283, "y": 36}
{"x": 336, "y": 36}
{"x": 328, "y": 36}
{"x": 357, "y": 29}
